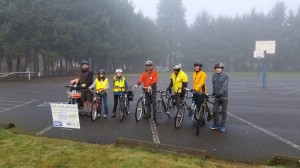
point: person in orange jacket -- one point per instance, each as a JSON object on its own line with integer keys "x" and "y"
{"x": 149, "y": 77}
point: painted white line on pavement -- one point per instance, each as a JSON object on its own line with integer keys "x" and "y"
{"x": 266, "y": 132}
{"x": 286, "y": 93}
{"x": 154, "y": 131}
{"x": 44, "y": 130}
{"x": 17, "y": 106}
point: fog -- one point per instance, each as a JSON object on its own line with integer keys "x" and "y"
{"x": 215, "y": 7}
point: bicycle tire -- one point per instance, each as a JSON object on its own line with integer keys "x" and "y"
{"x": 169, "y": 106}
{"x": 121, "y": 109}
{"x": 160, "y": 111}
{"x": 202, "y": 115}
{"x": 139, "y": 110}
{"x": 179, "y": 116}
{"x": 94, "y": 111}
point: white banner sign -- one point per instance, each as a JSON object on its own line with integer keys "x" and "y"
{"x": 65, "y": 115}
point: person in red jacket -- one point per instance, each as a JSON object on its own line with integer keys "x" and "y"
{"x": 149, "y": 77}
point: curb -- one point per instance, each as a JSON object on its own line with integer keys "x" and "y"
{"x": 160, "y": 148}
{"x": 7, "y": 126}
{"x": 286, "y": 160}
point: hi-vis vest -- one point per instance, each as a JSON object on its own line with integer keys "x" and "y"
{"x": 119, "y": 85}
{"x": 101, "y": 85}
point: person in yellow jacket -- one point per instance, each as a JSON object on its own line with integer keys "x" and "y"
{"x": 119, "y": 85}
{"x": 179, "y": 81}
{"x": 101, "y": 87}
{"x": 199, "y": 86}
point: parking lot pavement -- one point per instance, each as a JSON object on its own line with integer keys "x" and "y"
{"x": 261, "y": 122}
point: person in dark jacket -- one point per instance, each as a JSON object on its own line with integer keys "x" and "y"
{"x": 220, "y": 91}
{"x": 85, "y": 81}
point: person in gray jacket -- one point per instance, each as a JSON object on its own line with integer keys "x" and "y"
{"x": 220, "y": 91}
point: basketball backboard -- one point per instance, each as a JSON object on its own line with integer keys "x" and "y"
{"x": 268, "y": 46}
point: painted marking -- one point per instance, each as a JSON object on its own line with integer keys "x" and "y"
{"x": 154, "y": 131}
{"x": 283, "y": 85}
{"x": 17, "y": 106}
{"x": 266, "y": 132}
{"x": 286, "y": 93}
{"x": 11, "y": 101}
{"x": 47, "y": 104}
{"x": 44, "y": 130}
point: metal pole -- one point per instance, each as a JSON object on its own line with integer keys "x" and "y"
{"x": 265, "y": 70}
{"x": 258, "y": 68}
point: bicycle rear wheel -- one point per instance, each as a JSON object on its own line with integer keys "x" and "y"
{"x": 94, "y": 111}
{"x": 179, "y": 116}
{"x": 139, "y": 110}
{"x": 160, "y": 111}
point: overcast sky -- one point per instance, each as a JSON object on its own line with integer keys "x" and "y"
{"x": 215, "y": 7}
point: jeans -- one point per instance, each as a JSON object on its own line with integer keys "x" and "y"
{"x": 116, "y": 99}
{"x": 151, "y": 99}
{"x": 217, "y": 104}
{"x": 102, "y": 97}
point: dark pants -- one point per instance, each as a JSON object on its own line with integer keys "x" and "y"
{"x": 86, "y": 96}
{"x": 217, "y": 104}
{"x": 102, "y": 97}
{"x": 116, "y": 99}
{"x": 178, "y": 99}
{"x": 151, "y": 100}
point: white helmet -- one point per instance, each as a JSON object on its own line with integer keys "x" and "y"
{"x": 177, "y": 66}
{"x": 119, "y": 71}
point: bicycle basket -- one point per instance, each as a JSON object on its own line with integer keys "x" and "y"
{"x": 130, "y": 95}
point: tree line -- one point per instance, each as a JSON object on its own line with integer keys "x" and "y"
{"x": 60, "y": 33}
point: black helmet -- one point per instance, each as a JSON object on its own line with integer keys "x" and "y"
{"x": 84, "y": 62}
{"x": 219, "y": 65}
{"x": 148, "y": 63}
{"x": 198, "y": 64}
{"x": 101, "y": 71}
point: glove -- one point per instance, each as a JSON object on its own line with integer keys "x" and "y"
{"x": 149, "y": 88}
{"x": 168, "y": 89}
{"x": 192, "y": 90}
{"x": 135, "y": 86}
{"x": 83, "y": 85}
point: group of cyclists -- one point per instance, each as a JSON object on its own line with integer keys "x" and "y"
{"x": 149, "y": 78}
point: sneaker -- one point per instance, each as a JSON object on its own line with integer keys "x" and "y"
{"x": 222, "y": 129}
{"x": 214, "y": 127}
{"x": 105, "y": 116}
{"x": 98, "y": 115}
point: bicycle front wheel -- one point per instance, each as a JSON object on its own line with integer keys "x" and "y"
{"x": 94, "y": 111}
{"x": 179, "y": 116}
{"x": 201, "y": 115}
{"x": 160, "y": 111}
{"x": 139, "y": 110}
{"x": 121, "y": 110}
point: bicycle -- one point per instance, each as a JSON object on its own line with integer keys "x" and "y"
{"x": 74, "y": 95}
{"x": 141, "y": 106}
{"x": 123, "y": 104}
{"x": 181, "y": 110}
{"x": 163, "y": 108}
{"x": 202, "y": 110}
{"x": 95, "y": 104}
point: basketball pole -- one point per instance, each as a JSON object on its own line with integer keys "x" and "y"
{"x": 265, "y": 70}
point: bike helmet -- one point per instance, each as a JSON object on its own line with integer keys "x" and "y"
{"x": 198, "y": 64}
{"x": 84, "y": 62}
{"x": 177, "y": 67}
{"x": 219, "y": 65}
{"x": 101, "y": 71}
{"x": 149, "y": 63}
{"x": 119, "y": 71}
